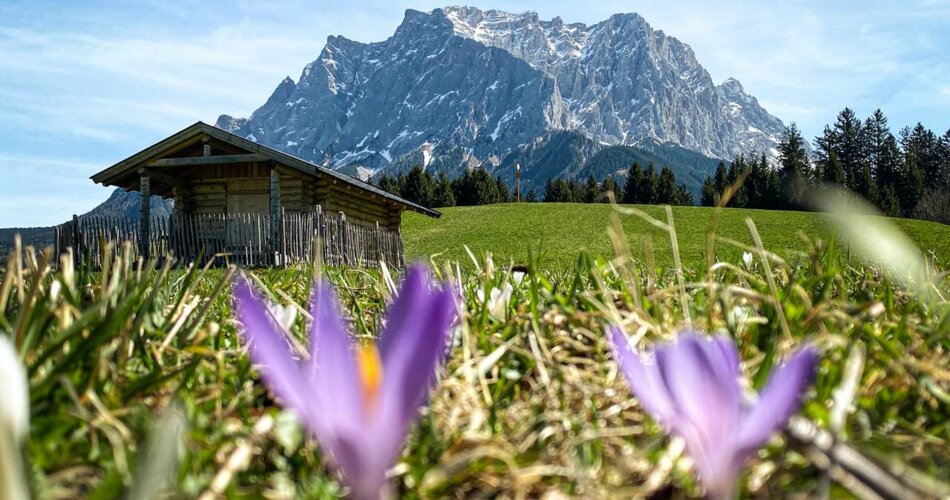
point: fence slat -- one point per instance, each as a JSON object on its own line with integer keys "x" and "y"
{"x": 248, "y": 239}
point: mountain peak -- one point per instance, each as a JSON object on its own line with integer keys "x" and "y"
{"x": 732, "y": 85}
{"x": 460, "y": 86}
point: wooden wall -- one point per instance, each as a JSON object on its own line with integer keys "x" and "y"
{"x": 219, "y": 189}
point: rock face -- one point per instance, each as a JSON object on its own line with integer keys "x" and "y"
{"x": 126, "y": 205}
{"x": 459, "y": 88}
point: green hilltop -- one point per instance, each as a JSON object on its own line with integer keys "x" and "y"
{"x": 560, "y": 231}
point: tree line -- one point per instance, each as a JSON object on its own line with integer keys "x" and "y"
{"x": 478, "y": 187}
{"x": 904, "y": 175}
{"x": 474, "y": 187}
{"x": 640, "y": 186}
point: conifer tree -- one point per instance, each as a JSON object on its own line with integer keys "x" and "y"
{"x": 794, "y": 165}
{"x": 721, "y": 180}
{"x": 608, "y": 186}
{"x": 646, "y": 190}
{"x": 418, "y": 187}
{"x": 682, "y": 196}
{"x": 503, "y": 195}
{"x": 834, "y": 172}
{"x": 443, "y": 195}
{"x": 849, "y": 144}
{"x": 633, "y": 186}
{"x": 554, "y": 191}
{"x": 591, "y": 190}
{"x": 388, "y": 183}
{"x": 666, "y": 187}
{"x": 707, "y": 196}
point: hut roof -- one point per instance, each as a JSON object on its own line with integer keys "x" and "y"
{"x": 120, "y": 173}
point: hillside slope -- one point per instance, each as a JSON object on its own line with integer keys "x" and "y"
{"x": 562, "y": 230}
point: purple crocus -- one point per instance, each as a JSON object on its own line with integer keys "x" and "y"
{"x": 692, "y": 388}
{"x": 358, "y": 401}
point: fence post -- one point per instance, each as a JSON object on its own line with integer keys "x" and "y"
{"x": 401, "y": 250}
{"x": 144, "y": 219}
{"x": 77, "y": 257}
{"x": 344, "y": 247}
{"x": 378, "y": 244}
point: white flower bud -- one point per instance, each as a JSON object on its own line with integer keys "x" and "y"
{"x": 15, "y": 410}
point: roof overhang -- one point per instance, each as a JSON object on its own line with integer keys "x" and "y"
{"x": 155, "y": 156}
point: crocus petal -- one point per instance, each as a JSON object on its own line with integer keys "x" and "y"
{"x": 779, "y": 399}
{"x": 414, "y": 288}
{"x": 700, "y": 385}
{"x": 707, "y": 412}
{"x": 269, "y": 349}
{"x": 415, "y": 346}
{"x": 362, "y": 469}
{"x": 337, "y": 389}
{"x": 724, "y": 363}
{"x": 644, "y": 380}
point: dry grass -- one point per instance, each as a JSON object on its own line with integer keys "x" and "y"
{"x": 529, "y": 404}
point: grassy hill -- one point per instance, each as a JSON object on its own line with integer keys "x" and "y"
{"x": 562, "y": 230}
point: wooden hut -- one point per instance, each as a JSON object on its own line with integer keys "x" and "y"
{"x": 209, "y": 171}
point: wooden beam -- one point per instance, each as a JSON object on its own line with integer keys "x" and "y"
{"x": 207, "y": 160}
{"x": 166, "y": 179}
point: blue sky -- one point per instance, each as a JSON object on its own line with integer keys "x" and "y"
{"x": 84, "y": 84}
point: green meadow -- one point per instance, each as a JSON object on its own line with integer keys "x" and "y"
{"x": 140, "y": 386}
{"x": 557, "y": 232}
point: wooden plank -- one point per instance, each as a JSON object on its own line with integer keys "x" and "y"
{"x": 189, "y": 161}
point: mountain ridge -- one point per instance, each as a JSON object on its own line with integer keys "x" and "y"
{"x": 458, "y": 88}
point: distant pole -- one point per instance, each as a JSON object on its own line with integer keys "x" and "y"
{"x": 517, "y": 183}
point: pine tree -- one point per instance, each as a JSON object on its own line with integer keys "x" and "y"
{"x": 888, "y": 201}
{"x": 476, "y": 187}
{"x": 834, "y": 172}
{"x": 682, "y": 196}
{"x": 578, "y": 191}
{"x": 740, "y": 195}
{"x": 666, "y": 187}
{"x": 388, "y": 184}
{"x": 609, "y": 186}
{"x": 553, "y": 191}
{"x": 849, "y": 144}
{"x": 755, "y": 183}
{"x": 707, "y": 197}
{"x": 443, "y": 195}
{"x": 502, "y": 193}
{"x": 419, "y": 186}
{"x": 794, "y": 165}
{"x": 632, "y": 187}
{"x": 883, "y": 154}
{"x": 646, "y": 190}
{"x": 944, "y": 154}
{"x": 532, "y": 196}
{"x": 910, "y": 178}
{"x": 591, "y": 190}
{"x": 923, "y": 147}
{"x": 721, "y": 180}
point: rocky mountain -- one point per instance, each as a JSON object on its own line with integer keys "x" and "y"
{"x": 126, "y": 204}
{"x": 460, "y": 87}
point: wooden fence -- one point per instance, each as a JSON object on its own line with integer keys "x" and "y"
{"x": 245, "y": 239}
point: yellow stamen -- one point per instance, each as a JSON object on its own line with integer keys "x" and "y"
{"x": 371, "y": 374}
